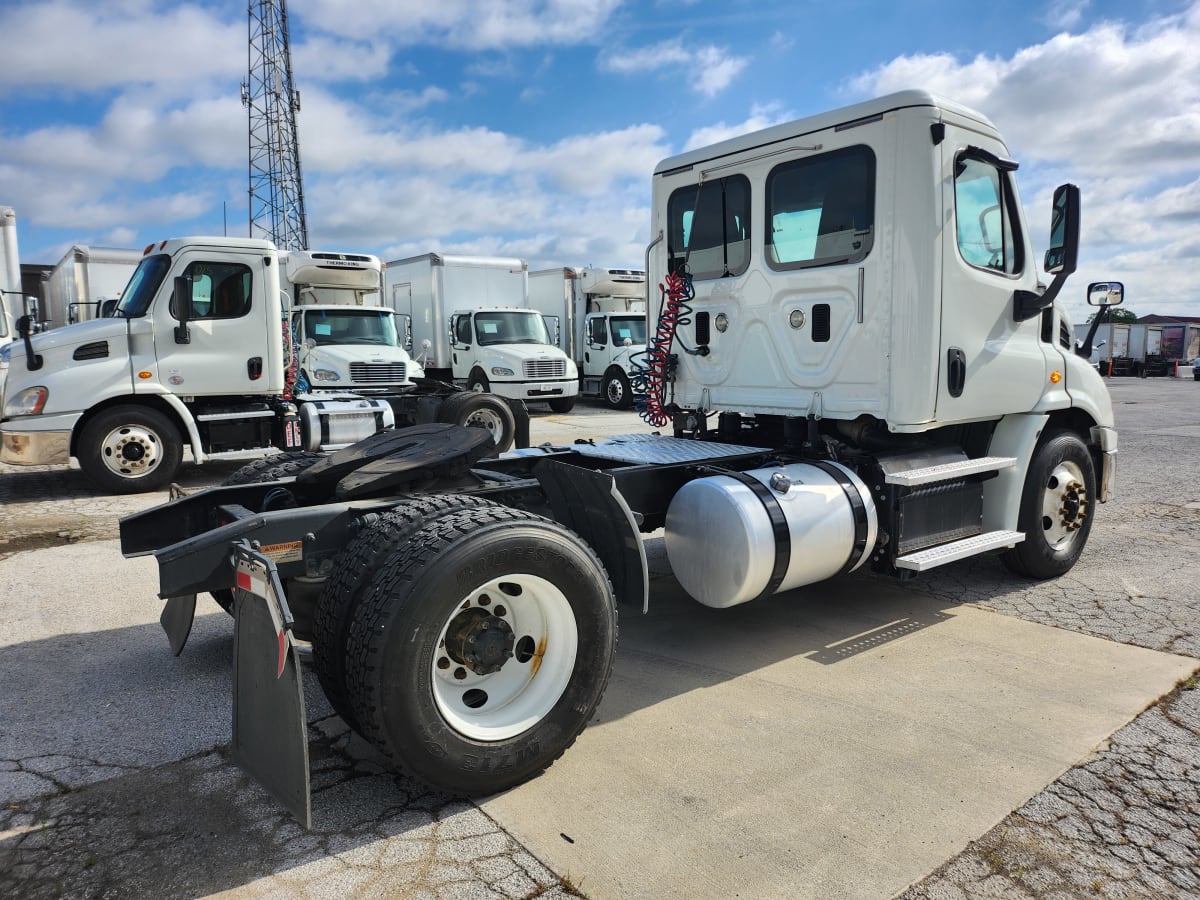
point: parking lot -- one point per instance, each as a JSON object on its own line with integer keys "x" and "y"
{"x": 115, "y": 781}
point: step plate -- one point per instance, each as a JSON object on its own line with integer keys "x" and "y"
{"x": 924, "y": 560}
{"x": 950, "y": 471}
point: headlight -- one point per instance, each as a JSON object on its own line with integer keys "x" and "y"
{"x": 326, "y": 375}
{"x": 502, "y": 370}
{"x": 29, "y": 402}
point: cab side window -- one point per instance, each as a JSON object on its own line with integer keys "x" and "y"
{"x": 462, "y": 329}
{"x": 220, "y": 290}
{"x": 983, "y": 210}
{"x": 596, "y": 332}
{"x": 821, "y": 210}
{"x": 708, "y": 230}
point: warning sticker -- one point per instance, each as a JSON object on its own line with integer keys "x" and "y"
{"x": 292, "y": 551}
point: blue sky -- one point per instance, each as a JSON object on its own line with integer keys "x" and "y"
{"x": 530, "y": 127}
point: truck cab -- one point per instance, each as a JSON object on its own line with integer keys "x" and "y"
{"x": 510, "y": 352}
{"x": 346, "y": 340}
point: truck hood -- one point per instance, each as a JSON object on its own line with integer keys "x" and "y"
{"x": 73, "y": 335}
{"x": 368, "y": 353}
{"x": 521, "y": 352}
{"x": 67, "y": 337}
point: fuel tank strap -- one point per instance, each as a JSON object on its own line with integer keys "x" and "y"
{"x": 857, "y": 508}
{"x": 783, "y": 538}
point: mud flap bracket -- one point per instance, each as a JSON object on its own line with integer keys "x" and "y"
{"x": 270, "y": 738}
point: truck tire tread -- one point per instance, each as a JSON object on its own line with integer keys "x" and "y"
{"x": 406, "y": 579}
{"x": 273, "y": 467}
{"x": 353, "y": 569}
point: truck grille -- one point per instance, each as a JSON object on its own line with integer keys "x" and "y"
{"x": 545, "y": 368}
{"x": 377, "y": 373}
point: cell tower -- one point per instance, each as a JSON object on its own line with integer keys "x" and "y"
{"x": 276, "y": 191}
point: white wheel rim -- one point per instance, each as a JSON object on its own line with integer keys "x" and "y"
{"x": 131, "y": 451}
{"x": 478, "y": 388}
{"x": 488, "y": 420}
{"x": 1065, "y": 505}
{"x": 510, "y": 701}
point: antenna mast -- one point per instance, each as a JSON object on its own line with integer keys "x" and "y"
{"x": 276, "y": 190}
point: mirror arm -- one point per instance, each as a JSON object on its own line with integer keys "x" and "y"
{"x": 1028, "y": 304}
{"x": 1085, "y": 349}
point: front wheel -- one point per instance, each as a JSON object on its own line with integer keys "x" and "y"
{"x": 130, "y": 449}
{"x": 481, "y": 650}
{"x": 616, "y": 389}
{"x": 562, "y": 404}
{"x": 1057, "y": 505}
{"x": 478, "y": 382}
{"x": 486, "y": 411}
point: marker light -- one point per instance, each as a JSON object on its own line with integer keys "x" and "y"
{"x": 1055, "y": 377}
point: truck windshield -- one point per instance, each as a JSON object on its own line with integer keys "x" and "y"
{"x": 143, "y": 286}
{"x": 631, "y": 327}
{"x": 351, "y": 326}
{"x": 515, "y": 327}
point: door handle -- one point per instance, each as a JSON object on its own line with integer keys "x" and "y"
{"x": 956, "y": 371}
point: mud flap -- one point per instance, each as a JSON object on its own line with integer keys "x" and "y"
{"x": 270, "y": 738}
{"x": 176, "y": 620}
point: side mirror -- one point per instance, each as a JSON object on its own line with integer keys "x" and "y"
{"x": 1060, "y": 256}
{"x": 33, "y": 361}
{"x": 1102, "y": 294}
{"x": 1064, "y": 231}
{"x": 408, "y": 337}
{"x": 182, "y": 304}
{"x": 1105, "y": 293}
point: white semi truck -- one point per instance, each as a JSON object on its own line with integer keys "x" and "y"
{"x": 199, "y": 354}
{"x": 855, "y": 366}
{"x": 472, "y": 325}
{"x": 599, "y": 318}
{"x": 86, "y": 284}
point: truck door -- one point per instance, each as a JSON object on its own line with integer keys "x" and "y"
{"x": 597, "y": 351}
{"x": 989, "y": 363}
{"x": 226, "y": 351}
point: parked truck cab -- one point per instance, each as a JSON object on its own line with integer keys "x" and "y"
{"x": 346, "y": 339}
{"x": 509, "y": 352}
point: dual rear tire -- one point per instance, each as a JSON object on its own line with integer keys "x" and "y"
{"x": 469, "y": 642}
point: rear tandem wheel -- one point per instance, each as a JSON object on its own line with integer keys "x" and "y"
{"x": 481, "y": 649}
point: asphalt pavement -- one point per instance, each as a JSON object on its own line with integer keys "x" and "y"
{"x": 114, "y": 778}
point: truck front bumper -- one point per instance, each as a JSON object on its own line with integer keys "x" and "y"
{"x": 37, "y": 440}
{"x": 536, "y": 390}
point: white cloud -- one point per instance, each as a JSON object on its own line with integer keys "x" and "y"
{"x": 710, "y": 69}
{"x": 84, "y": 47}
{"x": 466, "y": 24}
{"x": 761, "y": 116}
{"x": 1065, "y": 14}
{"x": 1115, "y": 109}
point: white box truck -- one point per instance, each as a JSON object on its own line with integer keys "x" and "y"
{"x": 87, "y": 284}
{"x": 599, "y": 318}
{"x": 883, "y": 384}
{"x": 472, "y": 325}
